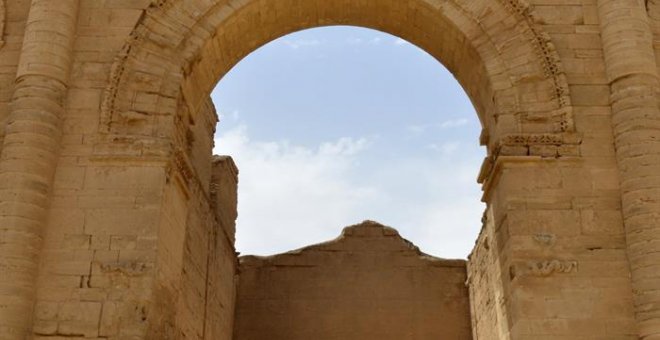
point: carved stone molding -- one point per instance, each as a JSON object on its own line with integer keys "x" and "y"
{"x": 118, "y": 94}
{"x": 525, "y": 148}
{"x": 545, "y": 145}
{"x": 108, "y": 107}
{"x": 549, "y": 60}
{"x": 543, "y": 268}
{"x": 129, "y": 269}
{"x": 182, "y": 166}
{"x": 543, "y": 47}
{"x": 545, "y": 239}
{"x": 532, "y": 139}
{"x": 182, "y": 170}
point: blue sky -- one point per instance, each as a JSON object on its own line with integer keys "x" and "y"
{"x": 335, "y": 125}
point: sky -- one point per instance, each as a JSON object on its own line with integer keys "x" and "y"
{"x": 336, "y": 125}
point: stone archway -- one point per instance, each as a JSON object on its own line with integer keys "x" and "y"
{"x": 178, "y": 52}
{"x": 506, "y": 64}
{"x": 122, "y": 222}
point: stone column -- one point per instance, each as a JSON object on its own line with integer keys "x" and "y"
{"x": 633, "y": 77}
{"x": 29, "y": 156}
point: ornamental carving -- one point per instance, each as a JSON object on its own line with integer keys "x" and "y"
{"x": 108, "y": 107}
{"x": 543, "y": 47}
{"x": 533, "y": 139}
{"x": 182, "y": 166}
{"x": 118, "y": 94}
{"x": 547, "y": 268}
{"x": 543, "y": 268}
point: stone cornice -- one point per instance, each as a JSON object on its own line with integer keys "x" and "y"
{"x": 525, "y": 148}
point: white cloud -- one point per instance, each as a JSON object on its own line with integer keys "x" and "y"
{"x": 298, "y": 43}
{"x": 292, "y": 196}
{"x": 454, "y": 123}
{"x": 447, "y": 149}
{"x": 361, "y": 41}
{"x": 447, "y": 226}
{"x": 344, "y": 147}
{"x": 375, "y": 41}
{"x": 417, "y": 129}
{"x": 400, "y": 42}
{"x": 234, "y": 115}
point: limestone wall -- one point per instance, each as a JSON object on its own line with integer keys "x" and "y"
{"x": 197, "y": 276}
{"x": 368, "y": 284}
{"x": 486, "y": 281}
{"x": 110, "y": 225}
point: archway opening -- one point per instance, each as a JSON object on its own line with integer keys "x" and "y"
{"x": 334, "y": 125}
{"x": 158, "y": 92}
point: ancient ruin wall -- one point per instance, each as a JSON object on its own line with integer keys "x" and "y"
{"x": 485, "y": 282}
{"x": 206, "y": 302}
{"x": 368, "y": 284}
{"x": 562, "y": 83}
{"x": 201, "y": 211}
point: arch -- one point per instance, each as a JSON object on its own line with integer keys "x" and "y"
{"x": 180, "y": 49}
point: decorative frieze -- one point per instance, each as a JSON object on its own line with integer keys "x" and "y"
{"x": 543, "y": 268}
{"x": 532, "y": 139}
{"x": 118, "y": 95}
{"x": 130, "y": 269}
{"x": 545, "y": 145}
{"x": 545, "y": 239}
{"x": 542, "y": 145}
{"x": 543, "y": 47}
{"x": 183, "y": 167}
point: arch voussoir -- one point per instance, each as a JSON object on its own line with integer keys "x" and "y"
{"x": 199, "y": 40}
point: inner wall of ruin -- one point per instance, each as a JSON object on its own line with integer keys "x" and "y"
{"x": 368, "y": 284}
{"x": 116, "y": 222}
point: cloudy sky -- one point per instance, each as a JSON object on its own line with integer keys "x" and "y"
{"x": 336, "y": 125}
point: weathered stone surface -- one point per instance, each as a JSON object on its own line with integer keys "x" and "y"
{"x": 368, "y": 284}
{"x": 117, "y": 223}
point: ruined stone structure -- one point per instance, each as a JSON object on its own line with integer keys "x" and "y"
{"x": 117, "y": 223}
{"x": 368, "y": 284}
